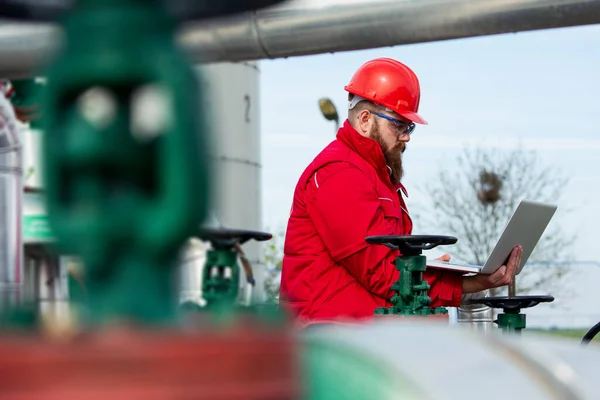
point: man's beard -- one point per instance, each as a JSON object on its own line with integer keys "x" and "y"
{"x": 393, "y": 156}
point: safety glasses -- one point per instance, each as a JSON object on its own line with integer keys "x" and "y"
{"x": 401, "y": 126}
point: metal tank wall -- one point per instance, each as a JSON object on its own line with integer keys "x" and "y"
{"x": 231, "y": 104}
{"x": 11, "y": 182}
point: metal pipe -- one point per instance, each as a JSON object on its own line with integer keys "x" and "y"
{"x": 290, "y": 30}
{"x": 297, "y": 28}
{"x": 11, "y": 188}
{"x": 191, "y": 267}
{"x": 25, "y": 47}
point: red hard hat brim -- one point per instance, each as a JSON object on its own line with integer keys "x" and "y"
{"x": 414, "y": 117}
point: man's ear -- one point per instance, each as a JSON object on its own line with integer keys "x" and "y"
{"x": 363, "y": 121}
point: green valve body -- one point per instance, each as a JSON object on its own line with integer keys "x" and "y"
{"x": 411, "y": 297}
{"x": 511, "y": 322}
{"x": 220, "y": 289}
{"x": 124, "y": 160}
{"x": 221, "y": 277}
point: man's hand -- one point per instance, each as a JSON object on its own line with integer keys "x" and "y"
{"x": 502, "y": 277}
{"x": 445, "y": 257}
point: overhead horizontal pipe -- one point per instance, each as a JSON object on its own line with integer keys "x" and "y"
{"x": 297, "y": 29}
{"x": 286, "y": 31}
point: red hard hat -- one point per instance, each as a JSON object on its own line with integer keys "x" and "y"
{"x": 391, "y": 84}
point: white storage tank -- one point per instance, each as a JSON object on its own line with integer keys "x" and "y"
{"x": 230, "y": 93}
{"x": 230, "y": 101}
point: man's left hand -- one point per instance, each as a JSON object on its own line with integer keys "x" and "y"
{"x": 502, "y": 277}
{"x": 445, "y": 257}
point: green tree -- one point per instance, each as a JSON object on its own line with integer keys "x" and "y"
{"x": 273, "y": 257}
{"x": 475, "y": 201}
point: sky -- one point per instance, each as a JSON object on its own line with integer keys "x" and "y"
{"x": 538, "y": 89}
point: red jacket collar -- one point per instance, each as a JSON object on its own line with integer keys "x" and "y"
{"x": 365, "y": 147}
{"x": 368, "y": 149}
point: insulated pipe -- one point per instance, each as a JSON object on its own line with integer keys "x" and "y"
{"x": 299, "y": 28}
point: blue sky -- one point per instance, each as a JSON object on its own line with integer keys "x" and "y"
{"x": 537, "y": 88}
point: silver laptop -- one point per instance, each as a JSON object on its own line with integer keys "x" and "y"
{"x": 526, "y": 226}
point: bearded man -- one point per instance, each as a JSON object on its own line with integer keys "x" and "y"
{"x": 353, "y": 190}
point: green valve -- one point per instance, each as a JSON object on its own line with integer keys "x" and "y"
{"x": 221, "y": 276}
{"x": 512, "y": 321}
{"x": 221, "y": 273}
{"x": 124, "y": 155}
{"x": 411, "y": 297}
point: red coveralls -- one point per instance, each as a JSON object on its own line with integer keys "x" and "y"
{"x": 330, "y": 273}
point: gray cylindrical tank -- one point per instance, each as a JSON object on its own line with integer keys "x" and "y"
{"x": 11, "y": 183}
{"x": 424, "y": 359}
{"x": 230, "y": 94}
{"x": 476, "y": 316}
